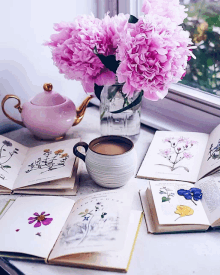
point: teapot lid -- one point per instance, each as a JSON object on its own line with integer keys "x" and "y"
{"x": 48, "y": 97}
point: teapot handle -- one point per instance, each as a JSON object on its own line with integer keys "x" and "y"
{"x": 17, "y": 106}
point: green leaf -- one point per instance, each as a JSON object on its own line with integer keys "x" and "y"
{"x": 131, "y": 105}
{"x": 112, "y": 92}
{"x": 81, "y": 213}
{"x": 132, "y": 19}
{"x": 6, "y": 166}
{"x": 165, "y": 199}
{"x": 98, "y": 90}
{"x": 102, "y": 216}
{"x": 109, "y": 61}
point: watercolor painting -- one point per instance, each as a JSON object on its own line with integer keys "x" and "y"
{"x": 214, "y": 151}
{"x": 167, "y": 194}
{"x": 179, "y": 149}
{"x": 49, "y": 161}
{"x": 193, "y": 194}
{"x": 95, "y": 225}
{"x": 183, "y": 211}
{"x": 6, "y": 153}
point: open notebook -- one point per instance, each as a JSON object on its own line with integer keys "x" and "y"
{"x": 45, "y": 169}
{"x": 96, "y": 231}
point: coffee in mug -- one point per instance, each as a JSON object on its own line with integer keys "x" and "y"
{"x": 110, "y": 160}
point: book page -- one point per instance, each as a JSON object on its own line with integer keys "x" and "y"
{"x": 46, "y": 163}
{"x": 97, "y": 222}
{"x": 174, "y": 156}
{"x": 32, "y": 224}
{"x": 12, "y": 155}
{"x": 211, "y": 159}
{"x": 175, "y": 209}
{"x": 210, "y": 187}
{"x": 112, "y": 260}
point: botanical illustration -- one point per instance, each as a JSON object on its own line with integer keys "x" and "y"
{"x": 214, "y": 152}
{"x": 179, "y": 149}
{"x": 167, "y": 194}
{"x": 40, "y": 219}
{"x": 193, "y": 194}
{"x": 95, "y": 225}
{"x": 183, "y": 211}
{"x": 50, "y": 161}
{"x": 6, "y": 153}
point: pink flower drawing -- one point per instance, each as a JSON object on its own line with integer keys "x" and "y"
{"x": 187, "y": 155}
{"x": 40, "y": 219}
{"x": 177, "y": 152}
{"x": 165, "y": 153}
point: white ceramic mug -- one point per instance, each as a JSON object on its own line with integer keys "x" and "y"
{"x": 110, "y": 160}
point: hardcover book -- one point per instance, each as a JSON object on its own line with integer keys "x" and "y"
{"x": 96, "y": 231}
{"x": 183, "y": 156}
{"x": 45, "y": 169}
{"x": 173, "y": 206}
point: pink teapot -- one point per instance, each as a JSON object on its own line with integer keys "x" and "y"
{"x": 48, "y": 115}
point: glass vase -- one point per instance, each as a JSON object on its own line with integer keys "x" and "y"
{"x": 126, "y": 123}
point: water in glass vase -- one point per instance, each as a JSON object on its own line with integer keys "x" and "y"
{"x": 126, "y": 123}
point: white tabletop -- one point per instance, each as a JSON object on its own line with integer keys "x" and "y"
{"x": 179, "y": 254}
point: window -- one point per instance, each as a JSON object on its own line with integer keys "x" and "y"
{"x": 188, "y": 105}
{"x": 203, "y": 23}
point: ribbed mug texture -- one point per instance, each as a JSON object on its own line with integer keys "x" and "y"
{"x": 111, "y": 171}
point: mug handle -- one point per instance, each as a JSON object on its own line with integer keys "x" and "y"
{"x": 77, "y": 153}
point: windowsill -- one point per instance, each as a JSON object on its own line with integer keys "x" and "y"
{"x": 183, "y": 109}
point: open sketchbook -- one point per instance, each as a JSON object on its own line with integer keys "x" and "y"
{"x": 45, "y": 169}
{"x": 96, "y": 231}
{"x": 172, "y": 206}
{"x": 184, "y": 156}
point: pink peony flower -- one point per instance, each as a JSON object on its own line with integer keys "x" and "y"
{"x": 40, "y": 219}
{"x": 166, "y": 8}
{"x": 73, "y": 46}
{"x": 153, "y": 54}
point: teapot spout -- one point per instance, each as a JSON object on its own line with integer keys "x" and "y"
{"x": 80, "y": 111}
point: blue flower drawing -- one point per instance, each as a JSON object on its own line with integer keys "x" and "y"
{"x": 193, "y": 194}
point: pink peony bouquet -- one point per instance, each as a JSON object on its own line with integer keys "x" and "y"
{"x": 146, "y": 54}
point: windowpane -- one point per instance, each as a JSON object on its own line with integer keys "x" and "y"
{"x": 203, "y": 23}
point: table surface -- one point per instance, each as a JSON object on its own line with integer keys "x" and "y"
{"x": 179, "y": 253}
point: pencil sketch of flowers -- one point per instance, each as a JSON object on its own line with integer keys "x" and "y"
{"x": 94, "y": 226}
{"x": 6, "y": 154}
{"x": 40, "y": 219}
{"x": 214, "y": 152}
{"x": 50, "y": 161}
{"x": 167, "y": 192}
{"x": 178, "y": 150}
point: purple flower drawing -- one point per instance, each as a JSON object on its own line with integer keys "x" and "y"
{"x": 40, "y": 219}
{"x": 178, "y": 150}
